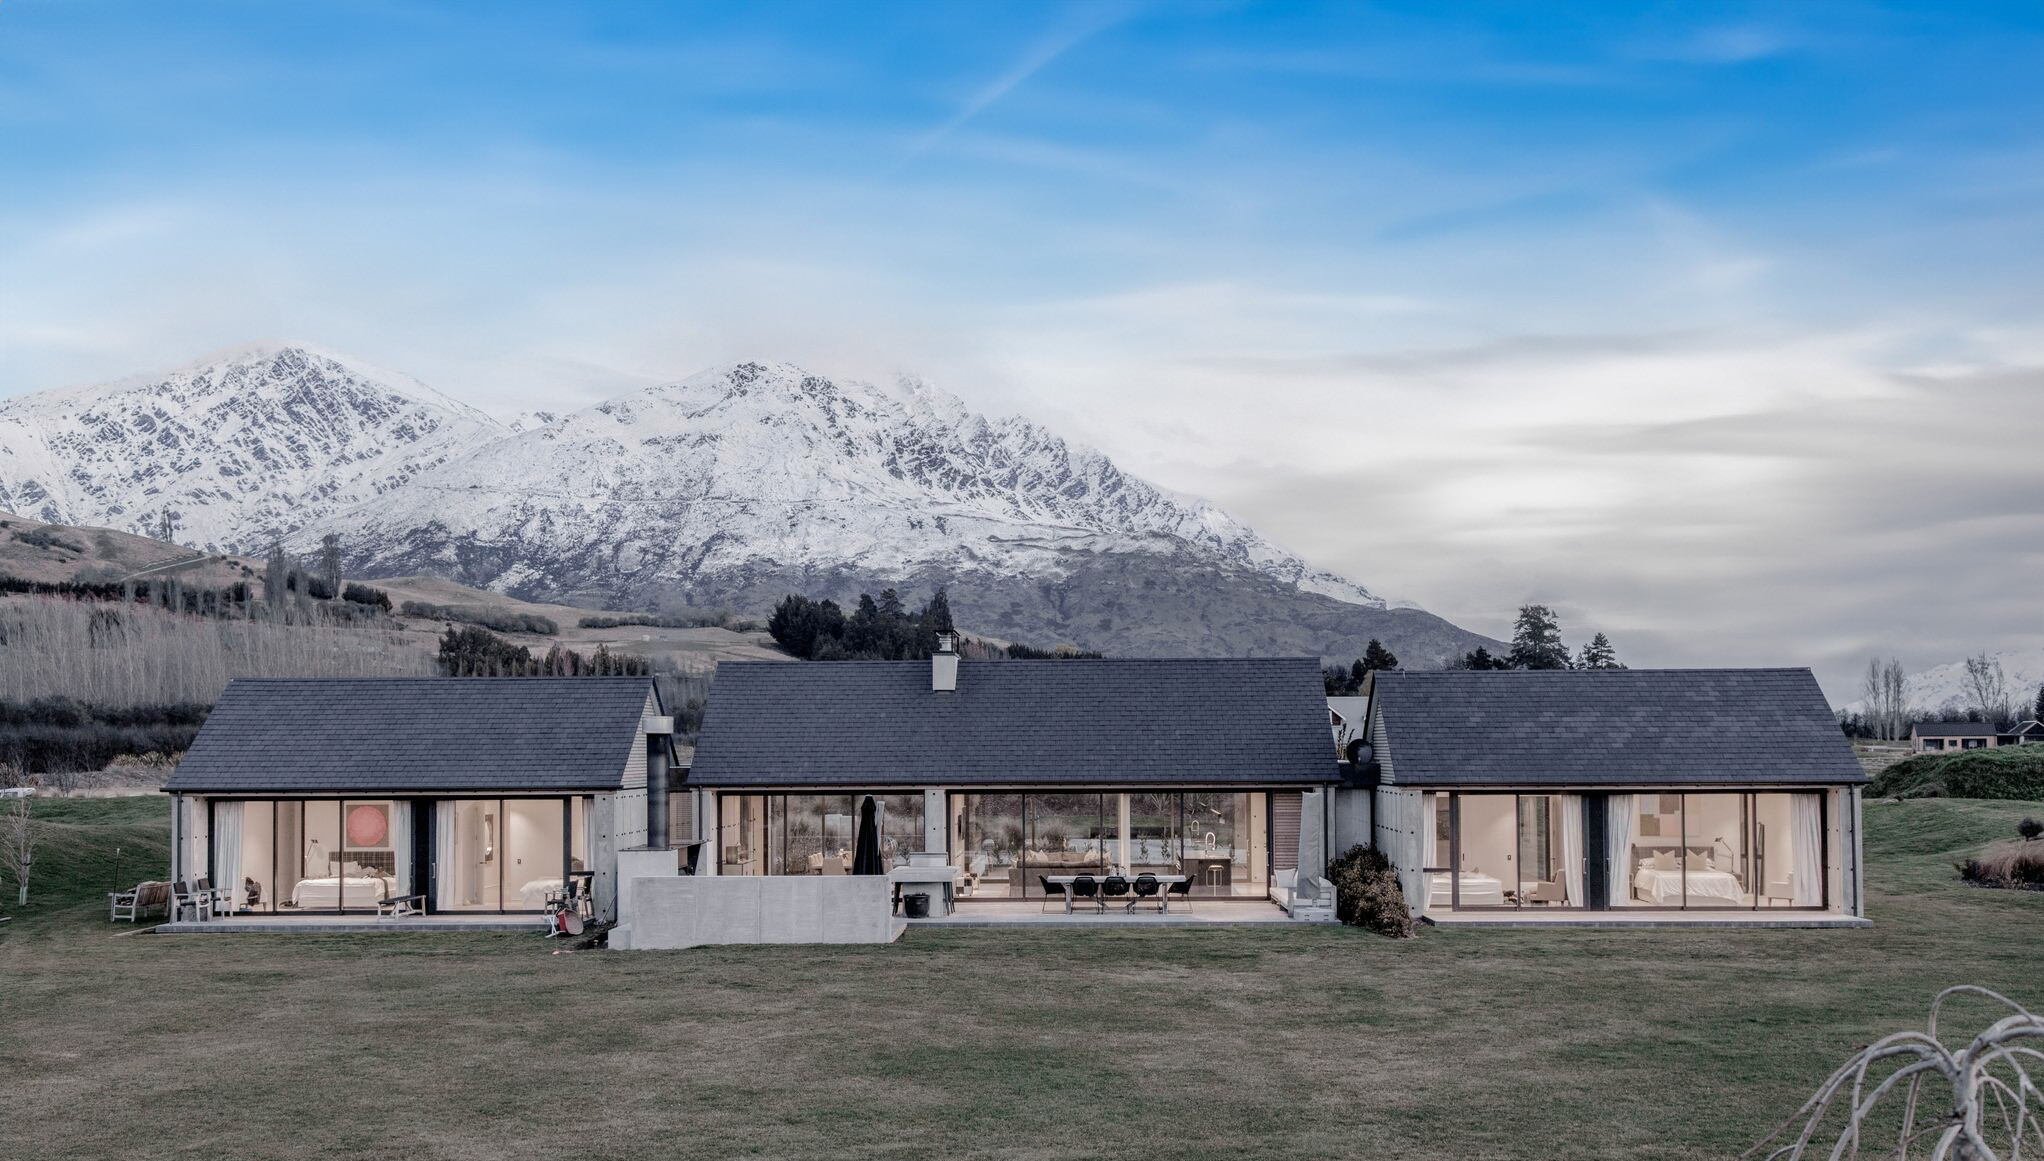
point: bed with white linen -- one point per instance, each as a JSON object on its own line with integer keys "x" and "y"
{"x": 1661, "y": 887}
{"x": 533, "y": 895}
{"x": 328, "y": 894}
{"x": 1477, "y": 890}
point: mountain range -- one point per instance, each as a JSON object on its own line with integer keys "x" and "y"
{"x": 729, "y": 488}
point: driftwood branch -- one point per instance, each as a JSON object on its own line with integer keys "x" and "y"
{"x": 1978, "y": 1103}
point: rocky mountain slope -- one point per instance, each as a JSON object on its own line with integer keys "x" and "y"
{"x": 731, "y": 488}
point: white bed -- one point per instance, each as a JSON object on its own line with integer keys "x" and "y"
{"x": 326, "y": 894}
{"x": 1660, "y": 888}
{"x": 533, "y": 895}
{"x": 1477, "y": 890}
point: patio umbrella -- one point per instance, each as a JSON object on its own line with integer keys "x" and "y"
{"x": 866, "y": 850}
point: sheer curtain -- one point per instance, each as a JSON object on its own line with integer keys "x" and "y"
{"x": 443, "y": 854}
{"x": 401, "y": 844}
{"x": 1621, "y": 819}
{"x": 227, "y": 851}
{"x": 1571, "y": 807}
{"x": 1808, "y": 816}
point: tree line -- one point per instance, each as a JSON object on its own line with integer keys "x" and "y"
{"x": 1886, "y": 715}
{"x": 883, "y": 628}
{"x": 1537, "y": 644}
{"x": 1348, "y": 682}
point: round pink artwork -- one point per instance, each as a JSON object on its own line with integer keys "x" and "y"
{"x": 368, "y": 826}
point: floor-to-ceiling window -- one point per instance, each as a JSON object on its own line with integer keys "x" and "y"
{"x": 507, "y": 854}
{"x": 1007, "y": 844}
{"x": 283, "y": 855}
{"x": 1508, "y": 850}
{"x": 812, "y": 834}
{"x": 1720, "y": 850}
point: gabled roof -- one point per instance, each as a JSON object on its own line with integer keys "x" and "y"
{"x": 1953, "y": 730}
{"x": 1609, "y": 727}
{"x": 1108, "y": 722}
{"x": 417, "y": 734}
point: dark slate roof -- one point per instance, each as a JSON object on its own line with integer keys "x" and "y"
{"x": 412, "y": 734}
{"x": 1017, "y": 723}
{"x": 1954, "y": 729}
{"x": 1609, "y": 727}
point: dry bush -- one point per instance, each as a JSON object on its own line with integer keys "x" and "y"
{"x": 116, "y": 654}
{"x": 1978, "y": 1103}
{"x": 2020, "y": 866}
{"x": 1367, "y": 893}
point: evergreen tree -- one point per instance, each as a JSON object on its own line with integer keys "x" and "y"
{"x": 1598, "y": 654}
{"x": 2037, "y": 711}
{"x": 890, "y": 602}
{"x": 1375, "y": 656}
{"x": 1480, "y": 658}
{"x": 276, "y": 578}
{"x": 1536, "y": 640}
{"x": 937, "y": 614}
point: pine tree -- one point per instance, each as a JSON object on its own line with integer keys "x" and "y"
{"x": 1375, "y": 656}
{"x": 1480, "y": 658}
{"x": 1598, "y": 654}
{"x": 1536, "y": 640}
{"x": 937, "y": 614}
{"x": 2037, "y": 711}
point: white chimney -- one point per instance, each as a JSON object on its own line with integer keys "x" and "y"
{"x": 944, "y": 664}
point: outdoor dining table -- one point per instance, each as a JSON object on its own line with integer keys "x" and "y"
{"x": 1163, "y": 881}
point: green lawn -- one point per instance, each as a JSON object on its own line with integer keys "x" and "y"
{"x": 1295, "y": 1043}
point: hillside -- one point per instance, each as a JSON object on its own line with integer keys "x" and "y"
{"x": 2003, "y": 772}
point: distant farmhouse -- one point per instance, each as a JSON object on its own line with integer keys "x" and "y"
{"x": 1935, "y": 737}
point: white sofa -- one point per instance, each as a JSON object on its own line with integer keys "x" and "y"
{"x": 1313, "y": 901}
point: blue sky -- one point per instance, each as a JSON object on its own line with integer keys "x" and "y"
{"x": 1631, "y": 308}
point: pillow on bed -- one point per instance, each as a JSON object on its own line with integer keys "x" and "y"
{"x": 1663, "y": 861}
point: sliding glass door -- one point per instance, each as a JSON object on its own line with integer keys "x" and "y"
{"x": 507, "y": 854}
{"x": 1007, "y": 844}
{"x": 277, "y": 856}
{"x": 812, "y": 834}
{"x": 1508, "y": 851}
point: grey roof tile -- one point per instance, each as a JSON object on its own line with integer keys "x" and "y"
{"x": 1096, "y": 722}
{"x": 1610, "y": 727}
{"x": 416, "y": 734}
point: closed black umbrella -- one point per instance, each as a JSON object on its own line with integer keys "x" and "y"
{"x": 866, "y": 853}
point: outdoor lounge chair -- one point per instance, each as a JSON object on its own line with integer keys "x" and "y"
{"x": 1052, "y": 892}
{"x": 1085, "y": 887}
{"x": 186, "y": 897}
{"x": 1146, "y": 886}
{"x": 1182, "y": 891}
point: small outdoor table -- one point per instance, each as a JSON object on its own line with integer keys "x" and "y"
{"x": 1163, "y": 881}
{"x": 946, "y": 875}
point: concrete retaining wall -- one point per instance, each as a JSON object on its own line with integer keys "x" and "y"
{"x": 699, "y": 910}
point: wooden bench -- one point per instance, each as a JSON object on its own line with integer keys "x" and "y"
{"x": 399, "y": 906}
{"x": 130, "y": 904}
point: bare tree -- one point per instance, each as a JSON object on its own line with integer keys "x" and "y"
{"x": 18, "y": 834}
{"x": 1988, "y": 688}
{"x": 1882, "y": 690}
{"x": 330, "y": 562}
{"x": 1955, "y": 1105}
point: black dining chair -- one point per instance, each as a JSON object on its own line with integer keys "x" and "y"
{"x": 1146, "y": 886}
{"x": 1085, "y": 887}
{"x": 1181, "y": 891}
{"x": 1112, "y": 887}
{"x": 1052, "y": 892}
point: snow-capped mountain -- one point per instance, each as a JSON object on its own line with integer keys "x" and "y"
{"x": 1944, "y": 688}
{"x": 239, "y": 448}
{"x": 765, "y": 468}
{"x": 732, "y": 487}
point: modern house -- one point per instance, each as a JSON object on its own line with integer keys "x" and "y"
{"x": 1726, "y": 795}
{"x": 1932, "y": 737}
{"x": 2028, "y": 733}
{"x": 1021, "y": 772}
{"x": 469, "y": 796}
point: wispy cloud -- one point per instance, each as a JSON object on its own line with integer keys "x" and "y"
{"x": 1078, "y": 26}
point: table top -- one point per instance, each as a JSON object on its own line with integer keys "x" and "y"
{"x": 1130, "y": 878}
{"x": 946, "y": 874}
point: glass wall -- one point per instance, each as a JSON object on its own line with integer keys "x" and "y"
{"x": 1006, "y": 844}
{"x": 283, "y": 855}
{"x": 1720, "y": 850}
{"x": 811, "y": 834}
{"x": 507, "y": 854}
{"x": 1508, "y": 850}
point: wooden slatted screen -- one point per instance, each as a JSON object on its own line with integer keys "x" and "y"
{"x": 1284, "y": 830}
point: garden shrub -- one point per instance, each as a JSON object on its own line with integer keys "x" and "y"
{"x": 1367, "y": 893}
{"x": 2011, "y": 866}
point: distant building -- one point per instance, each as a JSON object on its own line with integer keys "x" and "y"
{"x": 1932, "y": 737}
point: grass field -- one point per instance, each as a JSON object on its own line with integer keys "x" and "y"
{"x": 1038, "y": 1046}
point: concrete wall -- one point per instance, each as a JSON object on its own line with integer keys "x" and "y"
{"x": 696, "y": 911}
{"x": 1350, "y": 824}
{"x": 1403, "y": 828}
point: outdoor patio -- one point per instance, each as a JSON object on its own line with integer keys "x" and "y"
{"x": 1206, "y": 913}
{"x": 349, "y": 924}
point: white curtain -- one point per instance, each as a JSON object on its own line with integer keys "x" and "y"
{"x": 1622, "y": 817}
{"x": 443, "y": 854}
{"x": 1808, "y": 856}
{"x": 1571, "y": 806}
{"x": 401, "y": 844}
{"x": 227, "y": 850}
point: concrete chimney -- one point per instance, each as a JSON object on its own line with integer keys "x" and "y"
{"x": 944, "y": 664}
